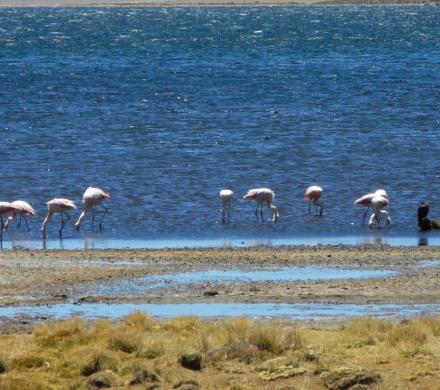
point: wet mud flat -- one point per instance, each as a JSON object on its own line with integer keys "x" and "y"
{"x": 43, "y": 277}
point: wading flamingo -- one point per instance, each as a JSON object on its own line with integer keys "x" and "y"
{"x": 91, "y": 198}
{"x": 61, "y": 206}
{"x": 226, "y": 197}
{"x": 423, "y": 221}
{"x": 263, "y": 195}
{"x": 313, "y": 195}
{"x": 378, "y": 203}
{"x": 5, "y": 208}
{"x": 366, "y": 200}
{"x": 23, "y": 209}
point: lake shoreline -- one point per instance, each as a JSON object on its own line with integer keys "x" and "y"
{"x": 57, "y": 276}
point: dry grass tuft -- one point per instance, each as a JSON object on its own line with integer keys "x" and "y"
{"x": 99, "y": 361}
{"x": 128, "y": 343}
{"x": 62, "y": 334}
{"x": 406, "y": 333}
{"x": 139, "y": 320}
{"x": 188, "y": 324}
{"x": 152, "y": 349}
{"x": 249, "y": 342}
{"x": 144, "y": 353}
{"x": 29, "y": 361}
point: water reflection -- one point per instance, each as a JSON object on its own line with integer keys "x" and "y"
{"x": 423, "y": 241}
{"x": 97, "y": 241}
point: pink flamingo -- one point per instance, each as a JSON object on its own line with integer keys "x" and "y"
{"x": 313, "y": 195}
{"x": 263, "y": 195}
{"x": 366, "y": 200}
{"x": 23, "y": 209}
{"x": 5, "y": 208}
{"x": 226, "y": 197}
{"x": 58, "y": 205}
{"x": 378, "y": 203}
{"x": 91, "y": 198}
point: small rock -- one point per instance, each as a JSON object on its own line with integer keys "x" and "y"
{"x": 309, "y": 357}
{"x": 210, "y": 293}
{"x": 190, "y": 384}
{"x": 282, "y": 372}
{"x": 3, "y": 367}
{"x": 346, "y": 378}
{"x": 102, "y": 380}
{"x": 144, "y": 376}
{"x": 192, "y": 361}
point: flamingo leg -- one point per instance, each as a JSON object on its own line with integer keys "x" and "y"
{"x": 93, "y": 216}
{"x": 229, "y": 215}
{"x": 19, "y": 223}
{"x": 261, "y": 211}
{"x": 1, "y": 230}
{"x": 102, "y": 219}
{"x": 256, "y": 210}
{"x": 366, "y": 212}
{"x": 223, "y": 213}
{"x": 27, "y": 224}
{"x": 310, "y": 203}
{"x": 63, "y": 223}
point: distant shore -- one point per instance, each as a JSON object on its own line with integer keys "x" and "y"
{"x": 202, "y": 3}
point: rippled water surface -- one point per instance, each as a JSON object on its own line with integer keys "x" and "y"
{"x": 164, "y": 107}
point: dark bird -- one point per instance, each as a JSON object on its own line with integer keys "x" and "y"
{"x": 424, "y": 222}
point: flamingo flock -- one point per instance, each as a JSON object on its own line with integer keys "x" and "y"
{"x": 377, "y": 201}
{"x": 94, "y": 197}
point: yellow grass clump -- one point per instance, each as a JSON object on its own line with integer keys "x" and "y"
{"x": 188, "y": 353}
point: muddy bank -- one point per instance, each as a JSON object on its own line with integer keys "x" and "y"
{"x": 68, "y": 276}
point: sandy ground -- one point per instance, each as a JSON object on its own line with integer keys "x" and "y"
{"x": 195, "y": 3}
{"x": 28, "y": 277}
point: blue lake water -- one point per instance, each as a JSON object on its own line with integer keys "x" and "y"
{"x": 257, "y": 310}
{"x": 164, "y": 107}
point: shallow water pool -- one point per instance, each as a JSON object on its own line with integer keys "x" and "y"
{"x": 283, "y": 274}
{"x": 294, "y": 311}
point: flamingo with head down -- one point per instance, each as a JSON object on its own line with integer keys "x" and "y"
{"x": 91, "y": 198}
{"x": 5, "y": 208}
{"x": 61, "y": 206}
{"x": 313, "y": 195}
{"x": 263, "y": 195}
{"x": 226, "y": 196}
{"x": 367, "y": 199}
{"x": 378, "y": 203}
{"x": 22, "y": 210}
